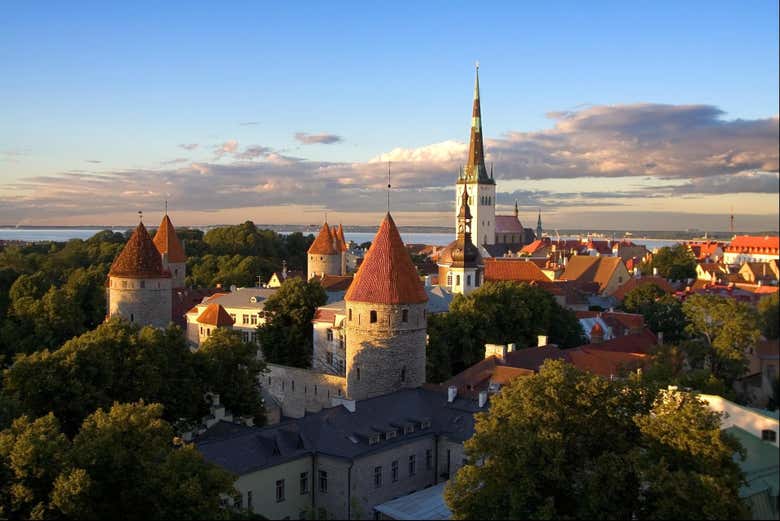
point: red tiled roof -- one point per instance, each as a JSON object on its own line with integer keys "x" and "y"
{"x": 634, "y": 283}
{"x": 324, "y": 315}
{"x": 643, "y": 343}
{"x": 168, "y": 242}
{"x": 513, "y": 269}
{"x": 605, "y": 363}
{"x": 753, "y": 244}
{"x": 596, "y": 329}
{"x": 335, "y": 282}
{"x": 139, "y": 259}
{"x": 323, "y": 244}
{"x": 215, "y": 315}
{"x": 535, "y": 246}
{"x": 602, "y": 247}
{"x": 503, "y": 374}
{"x": 508, "y": 224}
{"x": 341, "y": 238}
{"x": 704, "y": 250}
{"x": 387, "y": 274}
{"x": 585, "y": 268}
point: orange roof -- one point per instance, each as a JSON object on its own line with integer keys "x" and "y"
{"x": 585, "y": 268}
{"x": 605, "y": 363}
{"x": 750, "y": 243}
{"x": 341, "y": 238}
{"x": 335, "y": 282}
{"x": 387, "y": 274}
{"x": 532, "y": 248}
{"x": 634, "y": 283}
{"x": 513, "y": 269}
{"x": 597, "y": 329}
{"x": 215, "y": 315}
{"x": 139, "y": 259}
{"x": 323, "y": 244}
{"x": 168, "y": 242}
{"x": 502, "y": 374}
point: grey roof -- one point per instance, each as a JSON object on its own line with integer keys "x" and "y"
{"x": 242, "y": 298}
{"x": 427, "y": 503}
{"x": 439, "y": 299}
{"x": 340, "y": 433}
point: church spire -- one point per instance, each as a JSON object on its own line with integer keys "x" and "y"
{"x": 539, "y": 225}
{"x": 465, "y": 253}
{"x": 475, "y": 169}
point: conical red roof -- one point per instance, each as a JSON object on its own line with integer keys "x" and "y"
{"x": 597, "y": 329}
{"x": 323, "y": 244}
{"x": 343, "y": 241}
{"x": 139, "y": 259}
{"x": 387, "y": 274}
{"x": 168, "y": 242}
{"x": 215, "y": 315}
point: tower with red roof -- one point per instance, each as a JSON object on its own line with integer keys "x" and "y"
{"x": 171, "y": 251}
{"x": 325, "y": 254}
{"x": 139, "y": 286}
{"x": 386, "y": 320}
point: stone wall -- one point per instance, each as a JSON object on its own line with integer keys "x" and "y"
{"x": 178, "y": 273}
{"x": 302, "y": 390}
{"x": 148, "y": 302}
{"x": 324, "y": 264}
{"x": 385, "y": 355}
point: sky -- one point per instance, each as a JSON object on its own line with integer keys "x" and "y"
{"x": 608, "y": 115}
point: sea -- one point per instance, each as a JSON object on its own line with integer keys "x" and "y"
{"x": 441, "y": 239}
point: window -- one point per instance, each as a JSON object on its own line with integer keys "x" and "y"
{"x": 449, "y": 279}
{"x": 768, "y": 435}
{"x": 350, "y": 314}
{"x": 405, "y": 315}
{"x": 304, "y": 483}
{"x": 249, "y": 500}
{"x": 394, "y": 471}
{"x": 245, "y": 319}
{"x": 233, "y": 316}
{"x": 253, "y": 320}
{"x": 408, "y": 428}
{"x": 357, "y": 373}
{"x": 329, "y": 358}
{"x": 330, "y": 335}
{"x": 201, "y": 330}
{"x": 279, "y": 490}
{"x": 457, "y": 280}
{"x": 124, "y": 284}
{"x": 468, "y": 280}
{"x": 377, "y": 477}
{"x": 245, "y": 336}
{"x": 132, "y": 318}
{"x": 323, "y": 482}
{"x": 428, "y": 459}
{"x": 238, "y": 501}
{"x": 412, "y": 465}
{"x": 143, "y": 284}
{"x": 403, "y": 374}
{"x": 389, "y": 435}
{"x": 373, "y": 316}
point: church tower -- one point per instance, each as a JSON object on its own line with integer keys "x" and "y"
{"x": 324, "y": 258}
{"x": 386, "y": 320}
{"x": 539, "y": 225}
{"x": 480, "y": 187}
{"x": 139, "y": 288}
{"x": 464, "y": 272}
{"x": 173, "y": 258}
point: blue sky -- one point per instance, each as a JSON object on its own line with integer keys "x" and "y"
{"x": 105, "y": 87}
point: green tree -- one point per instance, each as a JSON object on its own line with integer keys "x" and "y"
{"x": 662, "y": 312}
{"x": 231, "y": 368}
{"x": 769, "y": 311}
{"x": 674, "y": 263}
{"x": 286, "y": 335}
{"x": 496, "y": 313}
{"x": 574, "y": 445}
{"x": 642, "y": 296}
{"x": 726, "y": 329}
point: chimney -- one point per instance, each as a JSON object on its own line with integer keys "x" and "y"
{"x": 541, "y": 340}
{"x": 452, "y": 392}
{"x": 596, "y": 334}
{"x": 482, "y": 398}
{"x": 497, "y": 350}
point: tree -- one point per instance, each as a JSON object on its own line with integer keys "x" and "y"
{"x": 286, "y": 335}
{"x": 674, "y": 263}
{"x": 568, "y": 444}
{"x": 662, "y": 313}
{"x": 496, "y": 313}
{"x": 726, "y": 329}
{"x": 769, "y": 311}
{"x": 231, "y": 368}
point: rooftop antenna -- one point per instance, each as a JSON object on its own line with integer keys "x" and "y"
{"x": 166, "y": 207}
{"x": 140, "y": 216}
{"x": 388, "y": 187}
{"x": 731, "y": 224}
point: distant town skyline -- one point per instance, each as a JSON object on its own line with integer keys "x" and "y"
{"x": 613, "y": 116}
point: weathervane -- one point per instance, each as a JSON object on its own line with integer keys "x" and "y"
{"x": 388, "y": 187}
{"x": 140, "y": 216}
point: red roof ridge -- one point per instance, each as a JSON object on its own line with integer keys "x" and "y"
{"x": 323, "y": 244}
{"x": 387, "y": 274}
{"x": 139, "y": 259}
{"x": 168, "y": 242}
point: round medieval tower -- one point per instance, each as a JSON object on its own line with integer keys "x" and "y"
{"x": 172, "y": 252}
{"x": 139, "y": 289}
{"x": 323, "y": 256}
{"x": 386, "y": 320}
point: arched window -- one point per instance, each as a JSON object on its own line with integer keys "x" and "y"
{"x": 405, "y": 315}
{"x": 373, "y": 316}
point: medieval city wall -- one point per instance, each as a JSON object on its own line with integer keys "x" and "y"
{"x": 302, "y": 390}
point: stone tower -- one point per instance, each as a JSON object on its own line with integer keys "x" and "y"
{"x": 386, "y": 320}
{"x": 173, "y": 258}
{"x": 324, "y": 256}
{"x": 139, "y": 288}
{"x": 481, "y": 188}
{"x": 464, "y": 271}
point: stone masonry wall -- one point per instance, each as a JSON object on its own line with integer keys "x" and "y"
{"x": 302, "y": 390}
{"x": 150, "y": 305}
{"x": 327, "y": 264}
{"x": 388, "y": 354}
